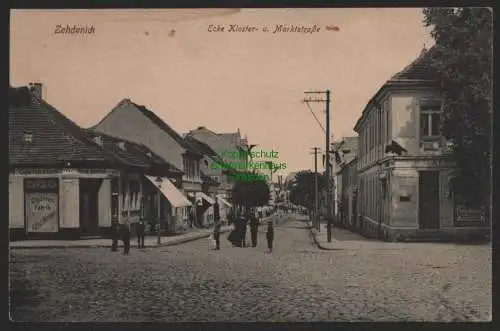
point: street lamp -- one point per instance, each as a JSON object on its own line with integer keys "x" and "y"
{"x": 159, "y": 181}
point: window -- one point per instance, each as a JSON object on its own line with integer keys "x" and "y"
{"x": 430, "y": 118}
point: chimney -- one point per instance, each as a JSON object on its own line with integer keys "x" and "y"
{"x": 37, "y": 90}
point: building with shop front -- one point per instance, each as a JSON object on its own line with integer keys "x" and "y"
{"x": 66, "y": 181}
{"x": 216, "y": 175}
{"x": 404, "y": 170}
{"x": 128, "y": 120}
{"x": 149, "y": 195}
{"x": 59, "y": 181}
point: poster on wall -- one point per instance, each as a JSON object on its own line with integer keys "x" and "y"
{"x": 41, "y": 205}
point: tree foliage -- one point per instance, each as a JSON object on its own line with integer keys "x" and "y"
{"x": 252, "y": 193}
{"x": 462, "y": 58}
{"x": 302, "y": 188}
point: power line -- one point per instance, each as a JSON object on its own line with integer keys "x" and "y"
{"x": 314, "y": 115}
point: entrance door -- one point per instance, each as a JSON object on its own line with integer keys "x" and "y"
{"x": 89, "y": 216}
{"x": 428, "y": 200}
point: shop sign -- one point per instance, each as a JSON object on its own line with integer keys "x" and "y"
{"x": 41, "y": 185}
{"x": 42, "y": 212}
{"x": 36, "y": 171}
{"x": 91, "y": 171}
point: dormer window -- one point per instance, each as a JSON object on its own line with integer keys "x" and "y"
{"x": 121, "y": 145}
{"x": 149, "y": 154}
{"x": 28, "y": 137}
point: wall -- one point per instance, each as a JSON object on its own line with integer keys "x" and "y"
{"x": 69, "y": 203}
{"x": 404, "y": 182}
{"x": 16, "y": 202}
{"x": 104, "y": 203}
{"x": 126, "y": 122}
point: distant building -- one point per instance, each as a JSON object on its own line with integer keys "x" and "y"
{"x": 404, "y": 173}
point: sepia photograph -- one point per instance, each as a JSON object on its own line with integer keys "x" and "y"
{"x": 250, "y": 165}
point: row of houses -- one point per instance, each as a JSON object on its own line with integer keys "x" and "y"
{"x": 65, "y": 180}
{"x": 394, "y": 181}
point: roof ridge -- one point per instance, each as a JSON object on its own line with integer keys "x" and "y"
{"x": 166, "y": 127}
{"x": 81, "y": 138}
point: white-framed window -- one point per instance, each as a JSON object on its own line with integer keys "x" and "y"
{"x": 430, "y": 118}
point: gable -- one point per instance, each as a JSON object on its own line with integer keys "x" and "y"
{"x": 126, "y": 122}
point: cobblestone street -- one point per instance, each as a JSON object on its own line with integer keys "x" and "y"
{"x": 297, "y": 282}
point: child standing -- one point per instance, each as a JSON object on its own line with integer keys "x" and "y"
{"x": 270, "y": 236}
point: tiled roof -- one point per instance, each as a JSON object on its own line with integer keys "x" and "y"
{"x": 56, "y": 139}
{"x": 418, "y": 69}
{"x": 165, "y": 127}
{"x": 133, "y": 153}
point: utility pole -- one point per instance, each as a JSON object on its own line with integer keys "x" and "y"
{"x": 327, "y": 155}
{"x": 316, "y": 222}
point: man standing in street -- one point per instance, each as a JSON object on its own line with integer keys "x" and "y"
{"x": 217, "y": 226}
{"x": 217, "y": 235}
{"x": 115, "y": 235}
{"x": 270, "y": 236}
{"x": 141, "y": 229}
{"x": 254, "y": 228}
{"x": 125, "y": 231}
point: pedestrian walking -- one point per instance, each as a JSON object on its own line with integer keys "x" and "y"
{"x": 141, "y": 231}
{"x": 125, "y": 232}
{"x": 270, "y": 236}
{"x": 254, "y": 229}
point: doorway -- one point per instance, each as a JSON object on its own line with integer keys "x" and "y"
{"x": 89, "y": 209}
{"x": 428, "y": 198}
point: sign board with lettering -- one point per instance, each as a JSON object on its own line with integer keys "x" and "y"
{"x": 465, "y": 216}
{"x": 42, "y": 204}
{"x": 42, "y": 212}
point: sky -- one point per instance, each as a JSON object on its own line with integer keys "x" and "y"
{"x": 168, "y": 61}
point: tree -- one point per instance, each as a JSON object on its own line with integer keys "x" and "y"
{"x": 250, "y": 193}
{"x": 302, "y": 188}
{"x": 462, "y": 61}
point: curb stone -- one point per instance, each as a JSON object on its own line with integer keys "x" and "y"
{"x": 312, "y": 233}
{"x": 172, "y": 243}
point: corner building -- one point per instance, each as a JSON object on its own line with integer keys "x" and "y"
{"x": 405, "y": 175}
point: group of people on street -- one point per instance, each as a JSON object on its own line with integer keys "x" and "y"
{"x": 239, "y": 235}
{"x": 123, "y": 231}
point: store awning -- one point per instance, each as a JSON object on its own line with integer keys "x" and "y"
{"x": 205, "y": 197}
{"x": 224, "y": 201}
{"x": 169, "y": 191}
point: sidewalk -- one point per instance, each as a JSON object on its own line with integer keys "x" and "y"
{"x": 344, "y": 239}
{"x": 149, "y": 241}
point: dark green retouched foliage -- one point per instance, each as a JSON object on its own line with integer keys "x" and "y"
{"x": 463, "y": 61}
{"x": 251, "y": 193}
{"x": 302, "y": 189}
